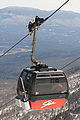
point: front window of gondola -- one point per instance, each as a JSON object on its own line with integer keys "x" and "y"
{"x": 50, "y": 85}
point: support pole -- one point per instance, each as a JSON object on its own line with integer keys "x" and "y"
{"x": 33, "y": 48}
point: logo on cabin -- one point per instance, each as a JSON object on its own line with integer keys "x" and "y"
{"x": 47, "y": 103}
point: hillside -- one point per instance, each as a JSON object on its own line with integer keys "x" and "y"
{"x": 71, "y": 110}
{"x": 57, "y": 42}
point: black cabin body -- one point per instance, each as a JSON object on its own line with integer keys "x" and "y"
{"x": 46, "y": 85}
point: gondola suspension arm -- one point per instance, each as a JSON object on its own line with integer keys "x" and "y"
{"x": 37, "y": 62}
{"x": 33, "y": 27}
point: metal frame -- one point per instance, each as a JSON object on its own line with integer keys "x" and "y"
{"x": 37, "y": 62}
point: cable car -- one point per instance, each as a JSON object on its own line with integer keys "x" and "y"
{"x": 41, "y": 87}
{"x": 45, "y": 89}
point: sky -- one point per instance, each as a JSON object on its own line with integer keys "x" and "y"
{"x": 72, "y": 5}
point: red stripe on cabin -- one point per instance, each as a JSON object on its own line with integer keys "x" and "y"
{"x": 47, "y": 104}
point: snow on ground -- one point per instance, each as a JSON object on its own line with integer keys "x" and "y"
{"x": 70, "y": 111}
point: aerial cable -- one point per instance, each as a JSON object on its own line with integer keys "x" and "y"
{"x": 70, "y": 63}
{"x": 15, "y": 44}
{"x": 8, "y": 102}
{"x": 55, "y": 11}
{"x": 30, "y": 31}
{"x": 39, "y": 21}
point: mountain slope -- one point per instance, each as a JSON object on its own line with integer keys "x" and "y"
{"x": 58, "y": 40}
{"x": 70, "y": 111}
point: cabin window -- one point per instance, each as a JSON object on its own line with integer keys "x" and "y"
{"x": 24, "y": 75}
{"x": 51, "y": 85}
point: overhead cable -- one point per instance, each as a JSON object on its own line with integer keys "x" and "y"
{"x": 56, "y": 11}
{"x": 32, "y": 31}
{"x": 15, "y": 45}
{"x": 7, "y": 102}
{"x": 70, "y": 62}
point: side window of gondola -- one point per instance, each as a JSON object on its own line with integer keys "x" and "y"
{"x": 28, "y": 78}
{"x": 29, "y": 75}
{"x": 24, "y": 74}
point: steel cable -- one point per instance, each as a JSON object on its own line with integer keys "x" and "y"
{"x": 70, "y": 63}
{"x": 15, "y": 45}
{"x": 33, "y": 30}
{"x": 8, "y": 102}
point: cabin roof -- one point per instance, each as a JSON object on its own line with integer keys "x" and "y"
{"x": 48, "y": 71}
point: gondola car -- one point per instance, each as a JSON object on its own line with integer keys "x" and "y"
{"x": 42, "y": 89}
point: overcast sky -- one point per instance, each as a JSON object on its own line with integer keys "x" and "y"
{"x": 72, "y": 5}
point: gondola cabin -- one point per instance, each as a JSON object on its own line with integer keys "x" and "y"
{"x": 42, "y": 89}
